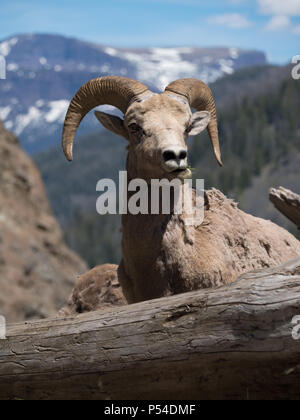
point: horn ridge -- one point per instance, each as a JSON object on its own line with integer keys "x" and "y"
{"x": 109, "y": 90}
{"x": 201, "y": 98}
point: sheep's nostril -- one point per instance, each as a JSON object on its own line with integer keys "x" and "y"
{"x": 177, "y": 155}
{"x": 169, "y": 155}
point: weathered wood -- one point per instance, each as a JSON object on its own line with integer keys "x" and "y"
{"x": 233, "y": 342}
{"x": 287, "y": 202}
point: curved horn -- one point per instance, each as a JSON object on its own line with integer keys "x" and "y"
{"x": 110, "y": 90}
{"x": 200, "y": 97}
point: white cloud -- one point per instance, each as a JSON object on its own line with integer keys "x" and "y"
{"x": 232, "y": 20}
{"x": 280, "y": 7}
{"x": 281, "y": 12}
{"x": 278, "y": 23}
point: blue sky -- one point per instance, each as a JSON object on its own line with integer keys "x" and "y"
{"x": 269, "y": 25}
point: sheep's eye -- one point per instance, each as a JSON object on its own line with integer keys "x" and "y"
{"x": 135, "y": 128}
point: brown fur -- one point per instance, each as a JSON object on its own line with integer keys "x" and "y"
{"x": 96, "y": 289}
{"x": 161, "y": 256}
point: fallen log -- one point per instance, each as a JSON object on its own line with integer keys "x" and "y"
{"x": 233, "y": 342}
{"x": 287, "y": 202}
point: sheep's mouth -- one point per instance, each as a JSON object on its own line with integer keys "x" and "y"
{"x": 182, "y": 173}
{"x": 178, "y": 171}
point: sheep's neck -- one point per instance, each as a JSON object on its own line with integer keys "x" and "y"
{"x": 151, "y": 239}
{"x": 160, "y": 221}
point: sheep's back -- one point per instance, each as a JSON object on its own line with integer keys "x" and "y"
{"x": 231, "y": 242}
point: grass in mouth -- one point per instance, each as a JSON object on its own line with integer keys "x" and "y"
{"x": 190, "y": 168}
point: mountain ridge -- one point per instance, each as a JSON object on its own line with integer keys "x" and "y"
{"x": 44, "y": 72}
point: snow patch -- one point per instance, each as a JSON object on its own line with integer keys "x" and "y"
{"x": 111, "y": 51}
{"x": 4, "y": 112}
{"x": 22, "y": 121}
{"x": 6, "y": 46}
{"x": 162, "y": 65}
{"x": 234, "y": 53}
{"x": 8, "y": 125}
{"x": 43, "y": 61}
{"x": 40, "y": 103}
{"x": 226, "y": 66}
{"x": 42, "y": 114}
{"x": 57, "y": 111}
{"x": 12, "y": 67}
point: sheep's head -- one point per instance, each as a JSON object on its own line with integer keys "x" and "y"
{"x": 156, "y": 125}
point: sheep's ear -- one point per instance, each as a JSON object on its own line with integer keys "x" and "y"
{"x": 112, "y": 123}
{"x": 199, "y": 122}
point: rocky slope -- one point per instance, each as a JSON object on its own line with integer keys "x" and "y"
{"x": 37, "y": 270}
{"x": 44, "y": 72}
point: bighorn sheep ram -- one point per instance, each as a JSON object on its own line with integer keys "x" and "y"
{"x": 161, "y": 254}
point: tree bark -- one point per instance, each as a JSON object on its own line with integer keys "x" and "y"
{"x": 288, "y": 203}
{"x": 233, "y": 342}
